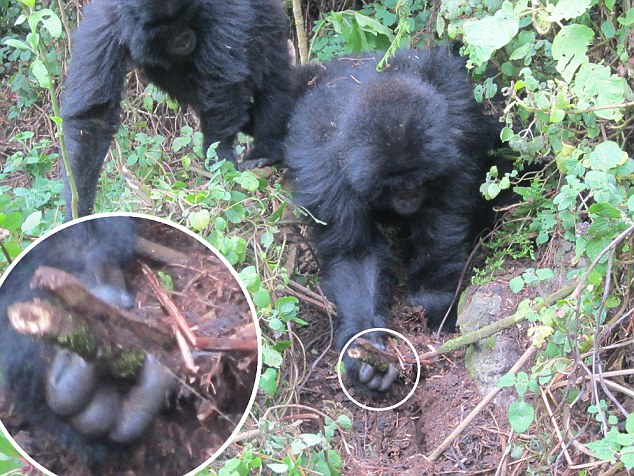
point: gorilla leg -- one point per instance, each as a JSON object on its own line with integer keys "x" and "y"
{"x": 90, "y": 109}
{"x": 226, "y": 107}
{"x": 438, "y": 254}
{"x": 269, "y": 131}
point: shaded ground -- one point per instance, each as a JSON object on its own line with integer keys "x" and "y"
{"x": 212, "y": 397}
{"x": 396, "y": 442}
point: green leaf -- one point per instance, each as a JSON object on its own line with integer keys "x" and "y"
{"x": 49, "y": 20}
{"x": 604, "y": 210}
{"x": 597, "y": 87}
{"x": 287, "y": 307}
{"x": 521, "y": 52}
{"x": 606, "y": 155}
{"x": 20, "y": 45}
{"x": 305, "y": 440}
{"x": 344, "y": 422}
{"x": 236, "y": 214}
{"x": 568, "y": 9}
{"x": 629, "y": 18}
{"x": 41, "y": 73}
{"x": 516, "y": 284}
{"x": 627, "y": 458}
{"x": 521, "y": 416}
{"x": 261, "y": 298}
{"x": 491, "y": 33}
{"x": 371, "y": 25}
{"x": 179, "y": 142}
{"x": 521, "y": 383}
{"x": 267, "y": 238}
{"x": 247, "y": 181}
{"x": 7, "y": 466}
{"x": 603, "y": 449}
{"x": 506, "y": 134}
{"x": 6, "y": 448}
{"x": 608, "y": 29}
{"x": 557, "y": 115}
{"x": 544, "y": 273}
{"x": 629, "y": 424}
{"x": 220, "y": 224}
{"x": 271, "y": 357}
{"x": 199, "y": 220}
{"x": 278, "y": 468}
{"x": 507, "y": 380}
{"x": 31, "y": 222}
{"x": 569, "y": 49}
{"x": 334, "y": 461}
{"x": 268, "y": 381}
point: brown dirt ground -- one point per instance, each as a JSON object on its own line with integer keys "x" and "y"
{"x": 210, "y": 401}
{"x": 396, "y": 442}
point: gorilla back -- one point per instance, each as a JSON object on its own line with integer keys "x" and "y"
{"x": 229, "y": 61}
{"x": 407, "y": 147}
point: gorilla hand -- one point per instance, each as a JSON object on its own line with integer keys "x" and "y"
{"x": 373, "y": 377}
{"x": 105, "y": 407}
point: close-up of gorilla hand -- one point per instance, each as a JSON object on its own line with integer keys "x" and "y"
{"x": 89, "y": 409}
{"x": 127, "y": 346}
{"x": 404, "y": 148}
{"x": 229, "y": 61}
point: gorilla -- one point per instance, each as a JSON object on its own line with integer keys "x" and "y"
{"x": 89, "y": 410}
{"x": 403, "y": 149}
{"x": 229, "y": 61}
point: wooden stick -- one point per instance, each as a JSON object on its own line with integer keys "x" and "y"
{"x": 169, "y": 305}
{"x": 479, "y": 407}
{"x": 85, "y": 309}
{"x": 507, "y": 322}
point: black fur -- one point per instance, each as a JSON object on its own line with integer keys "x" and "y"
{"x": 406, "y": 147}
{"x": 228, "y": 60}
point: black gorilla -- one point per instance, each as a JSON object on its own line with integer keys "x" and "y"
{"x": 229, "y": 61}
{"x": 56, "y": 391}
{"x": 407, "y": 147}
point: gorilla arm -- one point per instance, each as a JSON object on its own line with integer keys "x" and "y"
{"x": 355, "y": 261}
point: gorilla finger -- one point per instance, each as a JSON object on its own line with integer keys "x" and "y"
{"x": 388, "y": 379}
{"x": 375, "y": 383}
{"x": 366, "y": 372}
{"x": 143, "y": 402}
{"x": 114, "y": 295}
{"x": 99, "y": 417}
{"x": 70, "y": 383}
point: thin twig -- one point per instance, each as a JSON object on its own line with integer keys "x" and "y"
{"x": 480, "y": 406}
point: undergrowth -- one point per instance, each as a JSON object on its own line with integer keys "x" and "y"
{"x": 557, "y": 74}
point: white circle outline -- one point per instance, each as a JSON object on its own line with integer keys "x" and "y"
{"x": 234, "y": 273}
{"x": 387, "y": 331}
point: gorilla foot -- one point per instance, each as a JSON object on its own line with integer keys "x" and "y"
{"x": 435, "y": 304}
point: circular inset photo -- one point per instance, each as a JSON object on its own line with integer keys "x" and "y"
{"x": 127, "y": 346}
{"x": 386, "y": 369}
